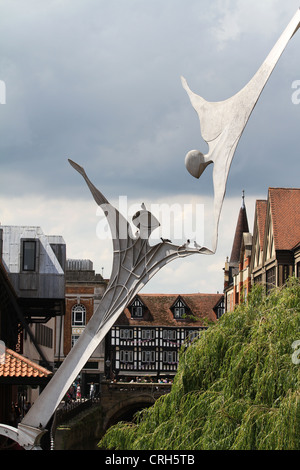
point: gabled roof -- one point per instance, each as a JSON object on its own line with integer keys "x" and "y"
{"x": 241, "y": 227}
{"x": 285, "y": 213}
{"x": 158, "y": 310}
{"x": 261, "y": 213}
{"x": 16, "y": 365}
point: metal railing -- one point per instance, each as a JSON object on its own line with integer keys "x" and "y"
{"x": 68, "y": 411}
{"x": 137, "y": 387}
{"x": 71, "y": 409}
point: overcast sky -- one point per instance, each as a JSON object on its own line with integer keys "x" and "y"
{"x": 99, "y": 82}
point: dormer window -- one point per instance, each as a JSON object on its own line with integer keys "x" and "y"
{"x": 136, "y": 309}
{"x": 220, "y": 309}
{"x": 179, "y": 309}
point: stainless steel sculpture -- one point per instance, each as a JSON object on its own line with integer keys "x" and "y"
{"x": 222, "y": 123}
{"x": 135, "y": 262}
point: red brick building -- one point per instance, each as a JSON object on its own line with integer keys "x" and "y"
{"x": 83, "y": 292}
{"x": 276, "y": 250}
{"x": 237, "y": 277}
{"x": 272, "y": 255}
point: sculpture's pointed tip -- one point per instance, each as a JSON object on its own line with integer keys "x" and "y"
{"x": 76, "y": 166}
{"x": 184, "y": 83}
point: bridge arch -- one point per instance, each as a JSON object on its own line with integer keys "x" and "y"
{"x": 125, "y": 409}
{"x": 121, "y": 400}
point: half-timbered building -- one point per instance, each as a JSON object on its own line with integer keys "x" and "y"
{"x": 146, "y": 338}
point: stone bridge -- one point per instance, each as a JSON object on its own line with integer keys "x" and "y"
{"x": 121, "y": 400}
{"x": 83, "y": 424}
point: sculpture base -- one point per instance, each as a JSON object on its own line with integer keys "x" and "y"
{"x": 26, "y": 436}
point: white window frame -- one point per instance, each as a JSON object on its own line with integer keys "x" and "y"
{"x": 126, "y": 356}
{"x": 148, "y": 356}
{"x": 81, "y": 320}
{"x": 170, "y": 335}
{"x": 137, "y": 309}
{"x": 148, "y": 334}
{"x": 74, "y": 338}
{"x": 126, "y": 334}
{"x": 179, "y": 309}
{"x": 170, "y": 357}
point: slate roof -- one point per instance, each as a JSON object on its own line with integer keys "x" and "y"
{"x": 16, "y": 365}
{"x": 285, "y": 212}
{"x": 158, "y": 311}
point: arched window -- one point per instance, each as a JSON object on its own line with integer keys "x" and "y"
{"x": 78, "y": 315}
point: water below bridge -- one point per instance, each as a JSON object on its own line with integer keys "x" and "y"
{"x": 84, "y": 426}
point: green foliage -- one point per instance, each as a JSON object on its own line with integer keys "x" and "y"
{"x": 236, "y": 386}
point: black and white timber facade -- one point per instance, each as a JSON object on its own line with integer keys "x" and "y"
{"x": 146, "y": 339}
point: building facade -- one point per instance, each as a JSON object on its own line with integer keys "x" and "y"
{"x": 146, "y": 338}
{"x": 278, "y": 257}
{"x": 83, "y": 292}
{"x": 236, "y": 272}
{"x": 34, "y": 264}
{"x": 31, "y": 297}
{"x": 272, "y": 254}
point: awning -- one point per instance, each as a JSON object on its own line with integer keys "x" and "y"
{"x": 17, "y": 369}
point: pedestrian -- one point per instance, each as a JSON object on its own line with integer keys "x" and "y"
{"x": 92, "y": 390}
{"x": 26, "y": 407}
{"x": 74, "y": 391}
{"x": 17, "y": 412}
{"x": 78, "y": 392}
{"x": 12, "y": 415}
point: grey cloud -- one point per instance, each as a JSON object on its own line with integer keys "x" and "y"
{"x": 99, "y": 82}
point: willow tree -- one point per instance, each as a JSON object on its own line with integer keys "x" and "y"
{"x": 237, "y": 386}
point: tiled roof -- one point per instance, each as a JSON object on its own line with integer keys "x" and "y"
{"x": 16, "y": 365}
{"x": 241, "y": 227}
{"x": 285, "y": 211}
{"x": 261, "y": 211}
{"x": 158, "y": 310}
